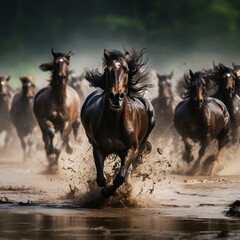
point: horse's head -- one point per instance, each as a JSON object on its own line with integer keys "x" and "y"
{"x": 4, "y": 86}
{"x": 228, "y": 79}
{"x": 196, "y": 86}
{"x": 58, "y": 67}
{"x": 28, "y": 86}
{"x": 116, "y": 72}
{"x": 164, "y": 88}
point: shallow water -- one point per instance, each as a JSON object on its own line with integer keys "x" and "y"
{"x": 157, "y": 204}
{"x": 59, "y": 223}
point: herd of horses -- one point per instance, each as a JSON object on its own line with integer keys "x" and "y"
{"x": 119, "y": 117}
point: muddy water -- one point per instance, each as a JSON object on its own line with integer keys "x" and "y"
{"x": 158, "y": 202}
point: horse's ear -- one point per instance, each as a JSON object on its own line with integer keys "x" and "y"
{"x": 53, "y": 53}
{"x": 8, "y": 78}
{"x": 46, "y": 67}
{"x": 191, "y": 73}
{"x": 106, "y": 54}
{"x": 127, "y": 55}
{"x": 22, "y": 79}
{"x": 170, "y": 75}
{"x": 234, "y": 65}
{"x": 69, "y": 55}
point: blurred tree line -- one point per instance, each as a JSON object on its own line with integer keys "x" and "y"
{"x": 29, "y": 26}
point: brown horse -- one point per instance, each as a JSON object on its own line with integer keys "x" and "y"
{"x": 57, "y": 107}
{"x": 5, "y": 103}
{"x": 118, "y": 118}
{"x": 201, "y": 119}
{"x": 21, "y": 113}
{"x": 163, "y": 105}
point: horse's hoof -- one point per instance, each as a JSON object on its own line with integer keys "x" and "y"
{"x": 108, "y": 191}
{"x": 148, "y": 148}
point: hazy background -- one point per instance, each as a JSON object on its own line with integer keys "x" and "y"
{"x": 178, "y": 35}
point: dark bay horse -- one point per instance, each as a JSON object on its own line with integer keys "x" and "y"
{"x": 117, "y": 117}
{"x": 163, "y": 105}
{"x": 199, "y": 118}
{"x": 22, "y": 115}
{"x": 57, "y": 107}
{"x": 228, "y": 92}
{"x": 5, "y": 103}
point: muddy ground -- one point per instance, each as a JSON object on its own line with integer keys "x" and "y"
{"x": 159, "y": 191}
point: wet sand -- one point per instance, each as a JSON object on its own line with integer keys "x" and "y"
{"x": 156, "y": 204}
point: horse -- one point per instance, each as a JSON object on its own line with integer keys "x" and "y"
{"x": 21, "y": 113}
{"x": 79, "y": 83}
{"x": 199, "y": 118}
{"x": 5, "y": 103}
{"x": 118, "y": 117}
{"x": 163, "y": 105}
{"x": 228, "y": 92}
{"x": 57, "y": 107}
{"x": 236, "y": 68}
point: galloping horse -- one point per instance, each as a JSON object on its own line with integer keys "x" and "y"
{"x": 5, "y": 103}
{"x": 228, "y": 92}
{"x": 199, "y": 118}
{"x": 21, "y": 113}
{"x": 118, "y": 118}
{"x": 57, "y": 107}
{"x": 163, "y": 105}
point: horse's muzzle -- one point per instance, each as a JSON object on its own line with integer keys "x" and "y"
{"x": 116, "y": 99}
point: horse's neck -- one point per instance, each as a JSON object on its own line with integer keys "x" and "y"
{"x": 115, "y": 116}
{"x": 59, "y": 93}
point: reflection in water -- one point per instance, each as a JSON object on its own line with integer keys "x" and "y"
{"x": 44, "y": 223}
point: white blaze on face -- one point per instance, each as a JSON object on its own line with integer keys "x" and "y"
{"x": 228, "y": 75}
{"x": 117, "y": 65}
{"x": 61, "y": 60}
{"x": 2, "y": 83}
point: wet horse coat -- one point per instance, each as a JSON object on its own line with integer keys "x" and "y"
{"x": 116, "y": 121}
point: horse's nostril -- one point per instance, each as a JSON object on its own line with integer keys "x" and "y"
{"x": 201, "y": 100}
{"x": 122, "y": 95}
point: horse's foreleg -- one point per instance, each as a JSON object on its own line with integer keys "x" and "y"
{"x": 126, "y": 161}
{"x": 187, "y": 155}
{"x": 99, "y": 158}
{"x": 24, "y": 146}
{"x": 65, "y": 138}
{"x": 75, "y": 128}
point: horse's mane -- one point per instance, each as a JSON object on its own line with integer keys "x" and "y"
{"x": 137, "y": 76}
{"x": 188, "y": 80}
{"x": 218, "y": 72}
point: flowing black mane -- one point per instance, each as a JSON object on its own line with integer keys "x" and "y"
{"x": 189, "y": 82}
{"x": 137, "y": 76}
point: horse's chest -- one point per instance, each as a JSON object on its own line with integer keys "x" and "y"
{"x": 112, "y": 141}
